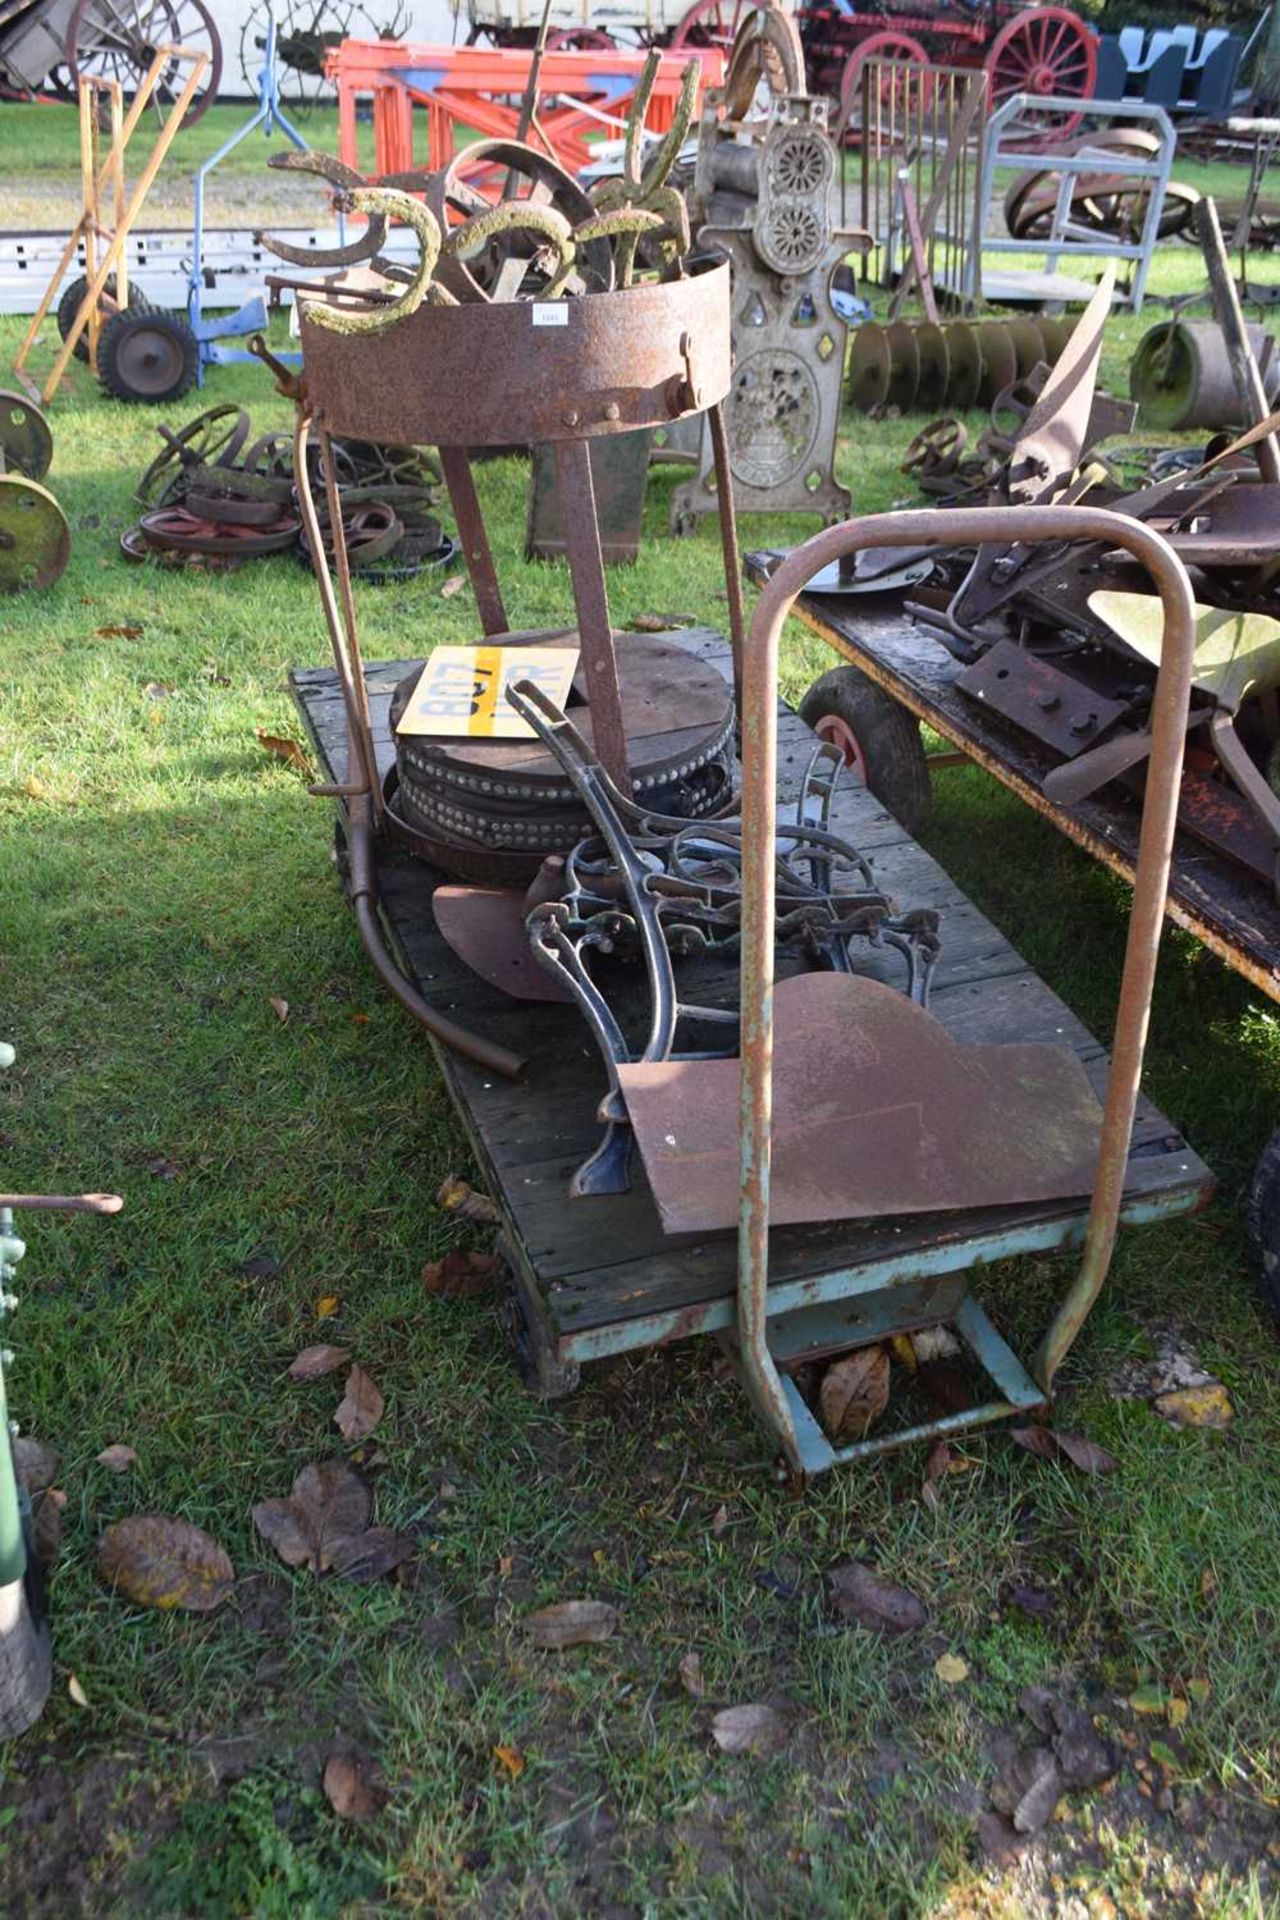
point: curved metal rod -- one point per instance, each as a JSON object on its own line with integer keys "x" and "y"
{"x": 959, "y": 526}
{"x": 361, "y": 787}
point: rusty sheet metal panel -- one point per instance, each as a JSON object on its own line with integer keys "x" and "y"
{"x": 619, "y": 471}
{"x": 876, "y": 1110}
{"x": 488, "y": 375}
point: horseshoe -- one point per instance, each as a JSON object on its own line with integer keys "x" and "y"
{"x": 387, "y": 202}
{"x": 337, "y": 174}
{"x": 518, "y": 216}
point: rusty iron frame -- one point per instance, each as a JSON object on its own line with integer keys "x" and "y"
{"x": 778, "y": 1403}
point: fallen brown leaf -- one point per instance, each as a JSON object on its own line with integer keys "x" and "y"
{"x": 690, "y": 1671}
{"x": 451, "y": 587}
{"x": 360, "y": 1408}
{"x": 314, "y": 1362}
{"x": 117, "y": 1457}
{"x": 858, "y": 1593}
{"x": 750, "y": 1729}
{"x": 279, "y": 1007}
{"x": 327, "y": 1507}
{"x": 510, "y": 1761}
{"x": 660, "y": 622}
{"x": 35, "y": 1464}
{"x": 854, "y": 1393}
{"x": 327, "y": 1305}
{"x": 936, "y": 1468}
{"x": 284, "y": 749}
{"x": 720, "y": 1521}
{"x": 353, "y": 1785}
{"x": 117, "y": 633}
{"x": 461, "y": 1275}
{"x": 457, "y": 1196}
{"x": 1048, "y": 1444}
{"x": 46, "y": 1524}
{"x": 373, "y": 1554}
{"x": 1208, "y": 1405}
{"x": 571, "y": 1623}
{"x": 158, "y": 1561}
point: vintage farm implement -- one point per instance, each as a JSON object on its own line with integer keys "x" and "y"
{"x": 51, "y": 45}
{"x": 602, "y": 865}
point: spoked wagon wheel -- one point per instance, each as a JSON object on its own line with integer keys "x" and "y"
{"x": 118, "y": 39}
{"x": 879, "y": 739}
{"x": 897, "y": 94}
{"x": 307, "y": 31}
{"x": 1044, "y": 50}
{"x": 710, "y": 23}
{"x": 581, "y": 40}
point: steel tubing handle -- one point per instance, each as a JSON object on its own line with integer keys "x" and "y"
{"x": 958, "y": 527}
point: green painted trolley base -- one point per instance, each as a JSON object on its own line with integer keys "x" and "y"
{"x": 593, "y": 1277}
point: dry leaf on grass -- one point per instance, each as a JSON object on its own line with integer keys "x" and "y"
{"x": 660, "y": 622}
{"x": 329, "y": 1506}
{"x": 951, "y": 1669}
{"x": 284, "y": 749}
{"x": 690, "y": 1671}
{"x": 279, "y": 1007}
{"x": 858, "y": 1593}
{"x": 327, "y": 1305}
{"x": 117, "y": 1458}
{"x": 46, "y": 1524}
{"x": 936, "y": 1468}
{"x": 456, "y": 1195}
{"x": 854, "y": 1393}
{"x": 35, "y": 1464}
{"x": 76, "y": 1692}
{"x": 158, "y": 1561}
{"x": 314, "y": 1362}
{"x": 750, "y": 1729}
{"x": 373, "y": 1554}
{"x": 510, "y": 1761}
{"x": 571, "y": 1623}
{"x": 353, "y": 1785}
{"x": 117, "y": 633}
{"x": 461, "y": 1275}
{"x": 1208, "y": 1405}
{"x": 361, "y": 1407}
{"x": 1048, "y": 1444}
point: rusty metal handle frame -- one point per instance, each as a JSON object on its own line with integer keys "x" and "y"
{"x": 961, "y": 527}
{"x": 361, "y": 788}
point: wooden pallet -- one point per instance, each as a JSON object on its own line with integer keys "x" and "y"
{"x": 1211, "y": 896}
{"x": 599, "y": 1275}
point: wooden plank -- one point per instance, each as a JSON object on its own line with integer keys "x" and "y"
{"x": 600, "y": 1262}
{"x": 1212, "y": 897}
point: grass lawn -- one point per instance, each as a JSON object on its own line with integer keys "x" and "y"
{"x": 162, "y": 879}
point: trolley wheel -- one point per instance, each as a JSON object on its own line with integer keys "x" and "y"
{"x": 1262, "y": 1219}
{"x": 539, "y": 1368}
{"x": 147, "y": 357}
{"x": 26, "y": 1652}
{"x": 1044, "y": 49}
{"x": 70, "y": 303}
{"x": 879, "y": 739}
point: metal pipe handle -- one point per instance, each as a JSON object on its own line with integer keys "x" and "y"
{"x": 962, "y": 527}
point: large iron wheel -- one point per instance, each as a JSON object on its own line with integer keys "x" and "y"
{"x": 307, "y": 31}
{"x": 899, "y": 93}
{"x": 709, "y": 23}
{"x": 118, "y": 39}
{"x": 1044, "y": 50}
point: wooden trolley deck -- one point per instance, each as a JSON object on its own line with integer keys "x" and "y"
{"x": 599, "y": 1275}
{"x": 1212, "y": 897}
